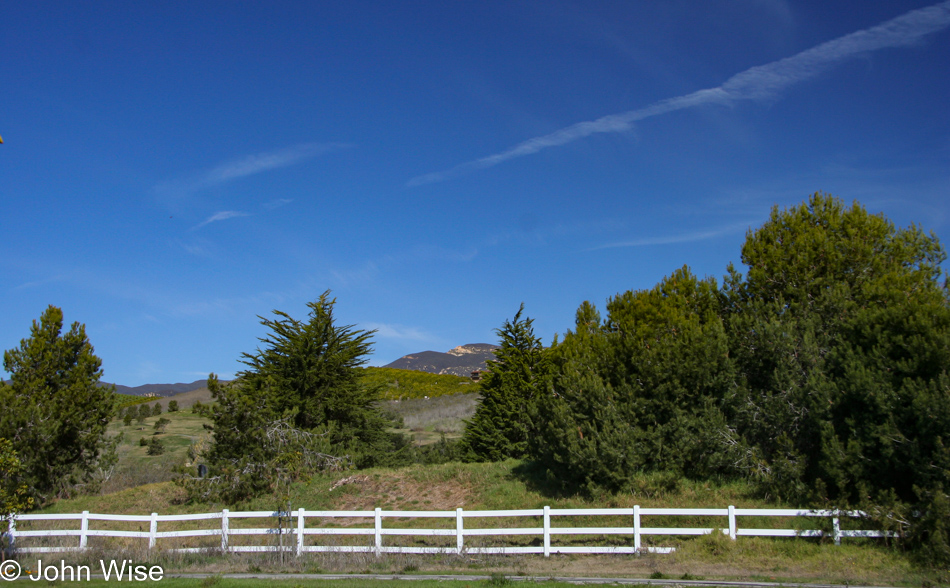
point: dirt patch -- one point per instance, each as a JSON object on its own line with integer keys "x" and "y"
{"x": 363, "y": 492}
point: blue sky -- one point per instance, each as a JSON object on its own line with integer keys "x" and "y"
{"x": 172, "y": 170}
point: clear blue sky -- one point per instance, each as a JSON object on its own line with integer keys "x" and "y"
{"x": 171, "y": 170}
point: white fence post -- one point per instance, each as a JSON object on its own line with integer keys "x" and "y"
{"x": 837, "y": 527}
{"x": 636, "y": 527}
{"x": 152, "y": 529}
{"x": 83, "y": 529}
{"x": 459, "y": 541}
{"x": 732, "y": 522}
{"x": 379, "y": 530}
{"x": 547, "y": 531}
{"x": 300, "y": 532}
{"x": 224, "y": 530}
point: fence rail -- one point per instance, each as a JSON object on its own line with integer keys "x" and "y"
{"x": 296, "y": 529}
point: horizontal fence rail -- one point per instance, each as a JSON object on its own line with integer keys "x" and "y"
{"x": 226, "y": 527}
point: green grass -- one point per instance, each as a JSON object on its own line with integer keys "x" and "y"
{"x": 399, "y": 384}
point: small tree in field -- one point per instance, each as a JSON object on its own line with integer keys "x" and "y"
{"x": 155, "y": 447}
{"x": 172, "y": 406}
{"x": 161, "y": 424}
{"x": 144, "y": 412}
{"x": 157, "y": 409}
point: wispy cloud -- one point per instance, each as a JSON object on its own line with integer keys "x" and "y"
{"x": 250, "y": 165}
{"x": 398, "y": 332}
{"x": 756, "y": 83}
{"x": 220, "y": 216}
{"x": 277, "y": 203}
{"x": 680, "y": 238}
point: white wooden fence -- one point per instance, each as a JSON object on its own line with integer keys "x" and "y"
{"x": 300, "y": 531}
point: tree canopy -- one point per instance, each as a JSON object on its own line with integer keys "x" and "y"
{"x": 300, "y": 405}
{"x": 821, "y": 375}
{"x": 502, "y": 424}
{"x": 55, "y": 411}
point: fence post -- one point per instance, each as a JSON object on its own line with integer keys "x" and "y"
{"x": 83, "y": 529}
{"x": 837, "y": 527}
{"x": 152, "y": 529}
{"x": 547, "y": 531}
{"x": 732, "y": 522}
{"x": 379, "y": 530}
{"x": 300, "y": 532}
{"x": 224, "y": 530}
{"x": 459, "y": 542}
{"x": 636, "y": 527}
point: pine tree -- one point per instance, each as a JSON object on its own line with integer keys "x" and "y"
{"x": 502, "y": 424}
{"x": 55, "y": 411}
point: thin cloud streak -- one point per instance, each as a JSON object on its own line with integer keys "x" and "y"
{"x": 255, "y": 164}
{"x": 756, "y": 83}
{"x": 673, "y": 239}
{"x": 251, "y": 165}
{"x": 220, "y": 216}
{"x": 398, "y": 332}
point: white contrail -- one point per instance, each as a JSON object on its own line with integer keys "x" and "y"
{"x": 755, "y": 83}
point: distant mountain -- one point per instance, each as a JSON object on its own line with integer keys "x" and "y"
{"x": 461, "y": 361}
{"x": 160, "y": 389}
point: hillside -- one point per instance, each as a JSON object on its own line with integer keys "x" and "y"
{"x": 460, "y": 361}
{"x": 160, "y": 389}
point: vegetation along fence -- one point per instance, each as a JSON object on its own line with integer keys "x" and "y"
{"x": 290, "y": 533}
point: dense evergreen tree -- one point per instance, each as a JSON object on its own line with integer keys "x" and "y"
{"x": 502, "y": 424}
{"x": 54, "y": 410}
{"x": 841, "y": 331}
{"x": 641, "y": 392}
{"x": 300, "y": 405}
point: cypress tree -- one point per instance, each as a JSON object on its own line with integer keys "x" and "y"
{"x": 502, "y": 424}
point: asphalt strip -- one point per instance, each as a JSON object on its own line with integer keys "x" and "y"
{"x": 468, "y": 578}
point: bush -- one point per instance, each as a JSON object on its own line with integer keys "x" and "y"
{"x": 155, "y": 447}
{"x": 172, "y": 406}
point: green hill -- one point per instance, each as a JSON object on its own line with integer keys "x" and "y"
{"x": 405, "y": 384}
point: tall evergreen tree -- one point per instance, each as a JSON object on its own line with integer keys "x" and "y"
{"x": 300, "y": 404}
{"x": 55, "y": 411}
{"x": 502, "y": 424}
